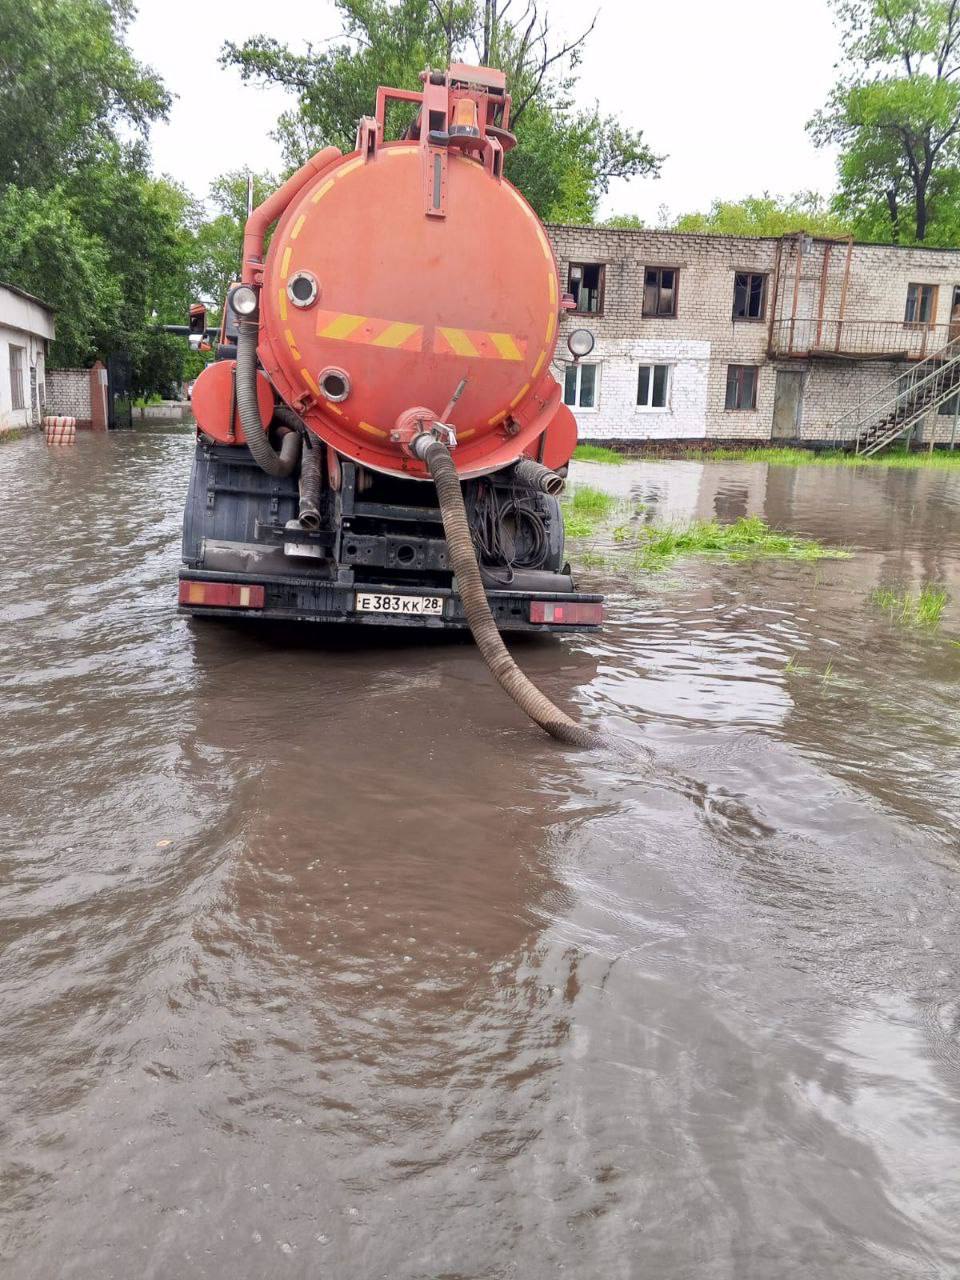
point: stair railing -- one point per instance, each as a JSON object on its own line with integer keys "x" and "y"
{"x": 927, "y": 380}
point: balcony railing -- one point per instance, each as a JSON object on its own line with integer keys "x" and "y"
{"x": 867, "y": 339}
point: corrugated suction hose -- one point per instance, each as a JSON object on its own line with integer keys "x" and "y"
{"x": 463, "y": 561}
{"x": 258, "y": 442}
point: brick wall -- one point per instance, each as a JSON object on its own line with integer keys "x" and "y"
{"x": 702, "y": 339}
{"x": 68, "y": 392}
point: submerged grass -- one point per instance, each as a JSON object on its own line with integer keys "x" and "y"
{"x": 925, "y": 609}
{"x": 937, "y": 461}
{"x": 597, "y": 453}
{"x": 746, "y": 538}
{"x": 585, "y": 509}
{"x": 588, "y": 511}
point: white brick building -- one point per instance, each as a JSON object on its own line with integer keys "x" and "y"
{"x": 26, "y": 327}
{"x": 705, "y": 337}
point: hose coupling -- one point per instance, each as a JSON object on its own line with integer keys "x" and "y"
{"x": 416, "y": 428}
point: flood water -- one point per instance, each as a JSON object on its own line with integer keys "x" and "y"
{"x": 319, "y": 961}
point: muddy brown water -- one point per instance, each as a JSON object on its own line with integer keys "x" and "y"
{"x": 319, "y": 961}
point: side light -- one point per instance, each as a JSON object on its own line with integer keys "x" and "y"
{"x": 580, "y": 342}
{"x": 243, "y": 300}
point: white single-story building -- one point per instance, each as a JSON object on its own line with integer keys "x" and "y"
{"x": 26, "y": 327}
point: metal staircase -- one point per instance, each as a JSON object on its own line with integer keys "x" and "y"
{"x": 900, "y": 403}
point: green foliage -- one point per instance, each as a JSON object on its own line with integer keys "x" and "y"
{"x": 566, "y": 156}
{"x": 68, "y": 84}
{"x": 925, "y": 609}
{"x": 84, "y": 225}
{"x": 216, "y": 250}
{"x": 767, "y": 215}
{"x": 48, "y": 251}
{"x": 895, "y": 115}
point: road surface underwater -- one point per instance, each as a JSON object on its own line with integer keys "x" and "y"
{"x": 319, "y": 960}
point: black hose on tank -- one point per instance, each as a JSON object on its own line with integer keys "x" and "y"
{"x": 534, "y": 475}
{"x": 463, "y": 561}
{"x": 258, "y": 442}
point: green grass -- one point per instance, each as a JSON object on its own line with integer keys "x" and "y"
{"x": 585, "y": 509}
{"x": 12, "y": 433}
{"x": 597, "y": 453}
{"x": 898, "y": 458}
{"x": 925, "y": 609}
{"x": 746, "y": 538}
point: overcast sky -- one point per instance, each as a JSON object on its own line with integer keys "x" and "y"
{"x": 723, "y": 89}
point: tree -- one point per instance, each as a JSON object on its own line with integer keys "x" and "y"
{"x": 67, "y": 85}
{"x": 48, "y": 252}
{"x": 896, "y": 116}
{"x": 766, "y": 215}
{"x": 218, "y": 241}
{"x": 566, "y": 157}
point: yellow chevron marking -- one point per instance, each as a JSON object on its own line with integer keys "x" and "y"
{"x": 551, "y": 327}
{"x": 298, "y": 226}
{"x": 465, "y": 435}
{"x": 459, "y": 341}
{"x": 321, "y": 191}
{"x": 519, "y": 396}
{"x": 347, "y": 168}
{"x": 506, "y": 346}
{"x": 372, "y": 431}
{"x": 553, "y": 288}
{"x": 335, "y": 408}
{"x": 342, "y": 327}
{"x": 539, "y": 365}
{"x": 310, "y": 382}
{"x": 285, "y": 263}
{"x": 283, "y": 304}
{"x": 292, "y": 343}
{"x": 544, "y": 245}
{"x": 499, "y": 418}
{"x": 395, "y": 334}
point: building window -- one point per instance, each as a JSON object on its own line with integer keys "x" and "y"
{"x": 585, "y": 282}
{"x": 950, "y": 406}
{"x": 921, "y": 304}
{"x": 580, "y": 385}
{"x": 16, "y": 377}
{"x": 741, "y": 386}
{"x": 660, "y": 291}
{"x": 652, "y": 386}
{"x": 749, "y": 295}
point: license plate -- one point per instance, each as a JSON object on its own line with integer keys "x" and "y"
{"x": 417, "y": 606}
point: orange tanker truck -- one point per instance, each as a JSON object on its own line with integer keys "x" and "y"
{"x": 381, "y": 438}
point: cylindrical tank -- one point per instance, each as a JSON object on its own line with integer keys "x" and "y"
{"x": 391, "y": 279}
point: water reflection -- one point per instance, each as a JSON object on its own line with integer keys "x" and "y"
{"x": 317, "y": 959}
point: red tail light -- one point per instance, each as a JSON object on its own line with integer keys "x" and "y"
{"x": 569, "y": 612}
{"x": 221, "y": 595}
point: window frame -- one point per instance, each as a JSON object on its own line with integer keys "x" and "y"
{"x": 16, "y": 384}
{"x": 765, "y": 277}
{"x": 576, "y": 407}
{"x": 935, "y": 302}
{"x": 601, "y": 287}
{"x": 741, "y": 408}
{"x": 660, "y": 315}
{"x": 668, "y": 388}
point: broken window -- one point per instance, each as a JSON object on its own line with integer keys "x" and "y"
{"x": 16, "y": 377}
{"x": 741, "y": 386}
{"x": 585, "y": 282}
{"x": 921, "y": 304}
{"x": 580, "y": 385}
{"x": 749, "y": 295}
{"x": 660, "y": 291}
{"x": 652, "y": 386}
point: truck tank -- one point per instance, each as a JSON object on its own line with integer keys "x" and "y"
{"x": 402, "y": 324}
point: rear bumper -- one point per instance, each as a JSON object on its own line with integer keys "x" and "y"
{"x": 304, "y": 599}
